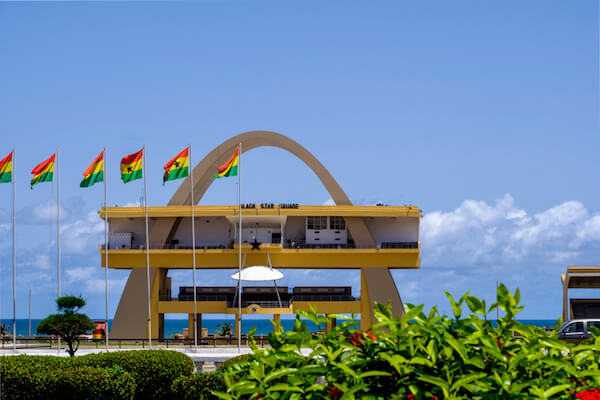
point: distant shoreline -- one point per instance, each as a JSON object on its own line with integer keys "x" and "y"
{"x": 263, "y": 325}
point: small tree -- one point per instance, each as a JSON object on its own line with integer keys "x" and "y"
{"x": 224, "y": 329}
{"x": 68, "y": 324}
{"x": 3, "y": 329}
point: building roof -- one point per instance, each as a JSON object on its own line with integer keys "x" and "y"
{"x": 273, "y": 210}
{"x": 582, "y": 276}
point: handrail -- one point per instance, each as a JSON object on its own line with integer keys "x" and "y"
{"x": 159, "y": 246}
{"x": 51, "y": 342}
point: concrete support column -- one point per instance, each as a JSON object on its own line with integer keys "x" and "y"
{"x": 377, "y": 285}
{"x": 191, "y": 325}
{"x": 330, "y": 324}
{"x": 277, "y": 320}
{"x": 155, "y": 284}
{"x": 161, "y": 326}
{"x": 565, "y": 287}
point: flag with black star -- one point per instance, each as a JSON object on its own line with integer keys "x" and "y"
{"x": 177, "y": 167}
{"x": 131, "y": 167}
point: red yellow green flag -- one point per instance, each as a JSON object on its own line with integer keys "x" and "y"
{"x": 94, "y": 173}
{"x": 177, "y": 167}
{"x": 43, "y": 172}
{"x": 6, "y": 169}
{"x": 230, "y": 168}
{"x": 131, "y": 166}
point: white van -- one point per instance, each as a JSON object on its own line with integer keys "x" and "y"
{"x": 577, "y": 330}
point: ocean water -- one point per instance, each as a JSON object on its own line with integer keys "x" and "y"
{"x": 263, "y": 326}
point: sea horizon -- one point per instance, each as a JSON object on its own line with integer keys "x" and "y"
{"x": 263, "y": 325}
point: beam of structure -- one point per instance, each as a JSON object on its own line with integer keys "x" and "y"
{"x": 376, "y": 283}
{"x": 580, "y": 277}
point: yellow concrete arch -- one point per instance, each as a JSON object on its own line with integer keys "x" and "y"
{"x": 377, "y": 284}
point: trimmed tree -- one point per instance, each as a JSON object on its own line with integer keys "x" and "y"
{"x": 68, "y": 324}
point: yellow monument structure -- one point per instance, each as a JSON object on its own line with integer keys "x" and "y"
{"x": 373, "y": 239}
{"x": 580, "y": 277}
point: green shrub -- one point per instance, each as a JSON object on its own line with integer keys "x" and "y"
{"x": 419, "y": 356}
{"x": 56, "y": 378}
{"x": 234, "y": 360}
{"x": 154, "y": 371}
{"x": 198, "y": 386}
{"x": 148, "y": 374}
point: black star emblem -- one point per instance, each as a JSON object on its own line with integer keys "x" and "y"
{"x": 255, "y": 245}
{"x": 176, "y": 164}
{"x": 129, "y": 169}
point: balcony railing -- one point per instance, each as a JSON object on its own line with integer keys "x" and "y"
{"x": 263, "y": 303}
{"x": 292, "y": 245}
{"x": 400, "y": 245}
{"x": 163, "y": 246}
{"x": 324, "y": 297}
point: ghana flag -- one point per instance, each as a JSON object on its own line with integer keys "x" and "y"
{"x": 177, "y": 167}
{"x": 131, "y": 166}
{"x": 230, "y": 168}
{"x": 43, "y": 172}
{"x": 6, "y": 169}
{"x": 94, "y": 173}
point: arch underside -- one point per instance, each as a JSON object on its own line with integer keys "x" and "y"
{"x": 377, "y": 284}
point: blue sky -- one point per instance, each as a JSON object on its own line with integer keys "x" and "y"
{"x": 484, "y": 114}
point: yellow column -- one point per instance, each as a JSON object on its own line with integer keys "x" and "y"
{"x": 366, "y": 316}
{"x": 161, "y": 326}
{"x": 377, "y": 285}
{"x": 331, "y": 323}
{"x": 277, "y": 320}
{"x": 154, "y": 290}
{"x": 190, "y": 326}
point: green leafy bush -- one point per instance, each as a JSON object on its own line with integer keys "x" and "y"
{"x": 57, "y": 378}
{"x": 154, "y": 371}
{"x": 419, "y": 356}
{"x": 234, "y": 360}
{"x": 146, "y": 374}
{"x": 198, "y": 386}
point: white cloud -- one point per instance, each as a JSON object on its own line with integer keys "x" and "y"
{"x": 42, "y": 213}
{"x": 90, "y": 280}
{"x": 39, "y": 261}
{"x": 84, "y": 235}
{"x": 478, "y": 233}
{"x": 589, "y": 231}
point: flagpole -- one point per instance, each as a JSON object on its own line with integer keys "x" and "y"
{"x": 239, "y": 328}
{"x": 58, "y": 223}
{"x": 105, "y": 248}
{"x": 147, "y": 245}
{"x": 191, "y": 169}
{"x": 58, "y": 216}
{"x": 14, "y": 255}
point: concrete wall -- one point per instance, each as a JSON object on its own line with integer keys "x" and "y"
{"x": 393, "y": 229}
{"x": 295, "y": 228}
{"x": 136, "y": 226}
{"x": 210, "y": 231}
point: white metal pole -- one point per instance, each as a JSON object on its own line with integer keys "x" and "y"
{"x": 29, "y": 312}
{"x": 105, "y": 247}
{"x": 191, "y": 169}
{"x": 14, "y": 255}
{"x": 58, "y": 216}
{"x": 58, "y": 223}
{"x": 239, "y": 171}
{"x": 147, "y": 246}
